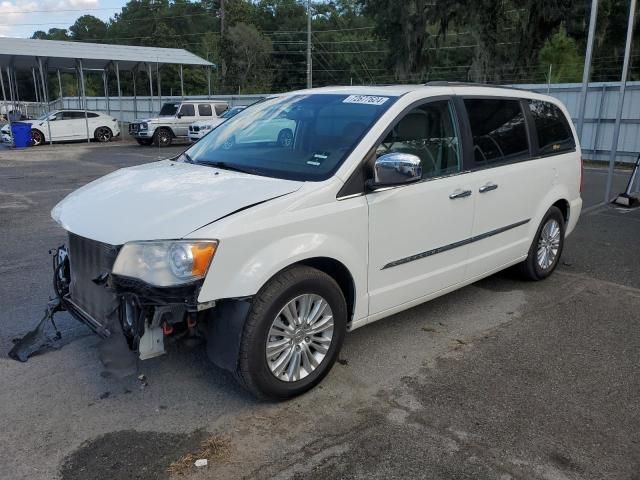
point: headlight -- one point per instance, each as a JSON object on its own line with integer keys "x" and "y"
{"x": 144, "y": 126}
{"x": 167, "y": 263}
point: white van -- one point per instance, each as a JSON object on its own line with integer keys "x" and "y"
{"x": 384, "y": 198}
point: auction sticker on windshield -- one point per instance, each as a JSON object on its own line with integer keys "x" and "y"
{"x": 365, "y": 99}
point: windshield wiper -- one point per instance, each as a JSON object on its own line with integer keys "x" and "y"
{"x": 232, "y": 168}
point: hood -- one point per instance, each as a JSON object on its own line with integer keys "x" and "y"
{"x": 162, "y": 200}
{"x": 146, "y": 120}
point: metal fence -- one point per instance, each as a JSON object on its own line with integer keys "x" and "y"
{"x": 600, "y": 115}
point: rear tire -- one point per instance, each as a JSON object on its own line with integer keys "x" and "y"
{"x": 103, "y": 134}
{"x": 312, "y": 351}
{"x": 546, "y": 249}
{"x": 37, "y": 138}
{"x": 163, "y": 137}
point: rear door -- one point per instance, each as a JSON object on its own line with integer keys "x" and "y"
{"x": 418, "y": 232}
{"x": 506, "y": 181}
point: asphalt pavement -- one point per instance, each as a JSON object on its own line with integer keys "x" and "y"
{"x": 502, "y": 379}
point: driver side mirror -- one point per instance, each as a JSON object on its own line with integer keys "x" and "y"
{"x": 396, "y": 169}
{"x": 52, "y": 118}
{"x": 179, "y": 115}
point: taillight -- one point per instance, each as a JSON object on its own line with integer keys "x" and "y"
{"x": 581, "y": 174}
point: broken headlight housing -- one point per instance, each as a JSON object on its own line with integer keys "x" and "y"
{"x": 165, "y": 263}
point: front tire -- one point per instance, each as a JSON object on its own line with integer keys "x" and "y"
{"x": 546, "y": 249}
{"x": 293, "y": 333}
{"x": 37, "y": 138}
{"x": 163, "y": 137}
{"x": 103, "y": 134}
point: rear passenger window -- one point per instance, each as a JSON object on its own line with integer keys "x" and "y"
{"x": 428, "y": 132}
{"x": 498, "y": 129}
{"x": 92, "y": 115}
{"x": 554, "y": 133}
{"x": 204, "y": 110}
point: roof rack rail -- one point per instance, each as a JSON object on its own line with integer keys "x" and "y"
{"x": 444, "y": 83}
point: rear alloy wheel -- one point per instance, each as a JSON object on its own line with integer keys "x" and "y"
{"x": 37, "y": 138}
{"x": 103, "y": 134}
{"x": 546, "y": 248}
{"x": 163, "y": 137}
{"x": 292, "y": 334}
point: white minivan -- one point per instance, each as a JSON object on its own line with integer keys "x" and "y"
{"x": 384, "y": 198}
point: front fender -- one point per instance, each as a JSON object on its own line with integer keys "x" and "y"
{"x": 244, "y": 270}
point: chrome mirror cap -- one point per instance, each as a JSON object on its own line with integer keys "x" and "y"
{"x": 396, "y": 169}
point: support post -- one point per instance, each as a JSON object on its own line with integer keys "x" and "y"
{"x": 15, "y": 86}
{"x": 4, "y": 98}
{"x": 586, "y": 73}
{"x": 150, "y": 90}
{"x": 135, "y": 97}
{"x": 119, "y": 95}
{"x": 623, "y": 86}
{"x": 181, "y": 83}
{"x": 209, "y": 80}
{"x": 60, "y": 93}
{"x": 105, "y": 82}
{"x": 159, "y": 90}
{"x": 11, "y": 100}
{"x": 84, "y": 98}
{"x": 35, "y": 85}
{"x": 46, "y": 100}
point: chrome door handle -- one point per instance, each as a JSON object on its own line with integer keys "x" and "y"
{"x": 488, "y": 187}
{"x": 460, "y": 194}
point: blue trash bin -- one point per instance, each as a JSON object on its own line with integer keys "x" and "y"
{"x": 21, "y": 134}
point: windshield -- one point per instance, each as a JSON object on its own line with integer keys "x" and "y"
{"x": 45, "y": 115}
{"x": 299, "y": 137}
{"x": 169, "y": 109}
{"x": 232, "y": 112}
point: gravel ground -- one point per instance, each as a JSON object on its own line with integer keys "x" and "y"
{"x": 502, "y": 379}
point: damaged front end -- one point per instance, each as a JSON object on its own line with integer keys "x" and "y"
{"x": 112, "y": 305}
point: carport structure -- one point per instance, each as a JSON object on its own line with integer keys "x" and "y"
{"x": 43, "y": 57}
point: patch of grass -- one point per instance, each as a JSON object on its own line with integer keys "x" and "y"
{"x": 214, "y": 449}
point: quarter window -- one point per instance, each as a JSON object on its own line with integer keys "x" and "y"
{"x": 498, "y": 130}
{"x": 552, "y": 127}
{"x": 204, "y": 110}
{"x": 221, "y": 108}
{"x": 428, "y": 132}
{"x": 188, "y": 110}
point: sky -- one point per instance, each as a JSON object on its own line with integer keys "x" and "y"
{"x": 20, "y": 18}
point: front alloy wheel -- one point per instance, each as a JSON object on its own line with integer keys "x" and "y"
{"x": 300, "y": 337}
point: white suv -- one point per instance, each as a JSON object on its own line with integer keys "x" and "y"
{"x": 383, "y": 198}
{"x": 199, "y": 129}
{"x": 64, "y": 125}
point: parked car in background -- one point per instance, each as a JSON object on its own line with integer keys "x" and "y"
{"x": 371, "y": 200}
{"x": 199, "y": 129}
{"x": 64, "y": 125}
{"x": 172, "y": 123}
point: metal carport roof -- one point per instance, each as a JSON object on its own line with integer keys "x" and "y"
{"x": 23, "y": 53}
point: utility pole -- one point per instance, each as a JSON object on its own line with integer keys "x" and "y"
{"x": 222, "y": 18}
{"x": 587, "y": 66}
{"x": 309, "y": 64}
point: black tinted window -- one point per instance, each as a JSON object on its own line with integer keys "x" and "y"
{"x": 188, "y": 110}
{"x": 498, "y": 129}
{"x": 554, "y": 133}
{"x": 204, "y": 110}
{"x": 429, "y": 133}
{"x": 91, "y": 115}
